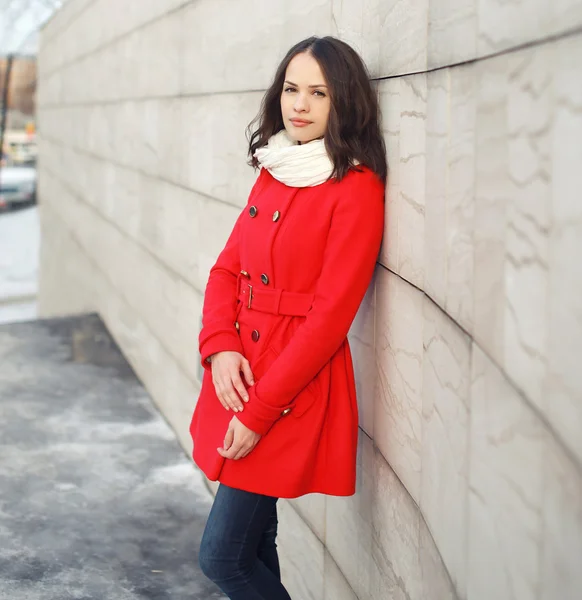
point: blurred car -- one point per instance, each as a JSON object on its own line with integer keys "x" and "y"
{"x": 17, "y": 185}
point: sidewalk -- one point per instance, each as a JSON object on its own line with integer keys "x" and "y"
{"x": 19, "y": 248}
{"x": 97, "y": 499}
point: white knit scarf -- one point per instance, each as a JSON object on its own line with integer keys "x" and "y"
{"x": 295, "y": 165}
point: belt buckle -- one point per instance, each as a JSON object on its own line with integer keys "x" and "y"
{"x": 250, "y": 295}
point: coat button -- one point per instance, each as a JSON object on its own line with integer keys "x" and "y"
{"x": 276, "y": 216}
{"x": 286, "y": 412}
{"x": 265, "y": 278}
{"x": 236, "y": 326}
{"x": 245, "y": 274}
{"x": 255, "y": 335}
{"x": 253, "y": 211}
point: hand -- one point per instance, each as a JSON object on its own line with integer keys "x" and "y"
{"x": 239, "y": 440}
{"x": 226, "y": 369}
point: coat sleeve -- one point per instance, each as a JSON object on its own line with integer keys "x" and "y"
{"x": 350, "y": 256}
{"x": 218, "y": 333}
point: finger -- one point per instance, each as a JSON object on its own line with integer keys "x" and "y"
{"x": 230, "y": 453}
{"x": 232, "y": 397}
{"x": 228, "y": 438}
{"x": 225, "y": 389}
{"x": 240, "y": 387}
{"x": 220, "y": 396}
{"x": 242, "y": 453}
{"x": 248, "y": 374}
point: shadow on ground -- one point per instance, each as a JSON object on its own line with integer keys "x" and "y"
{"x": 97, "y": 499}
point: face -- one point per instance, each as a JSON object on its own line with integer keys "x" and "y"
{"x": 305, "y": 101}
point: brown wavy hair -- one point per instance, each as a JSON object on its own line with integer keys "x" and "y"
{"x": 353, "y": 129}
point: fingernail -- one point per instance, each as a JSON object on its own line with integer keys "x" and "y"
{"x": 240, "y": 408}
{"x": 246, "y": 398}
{"x": 235, "y": 409}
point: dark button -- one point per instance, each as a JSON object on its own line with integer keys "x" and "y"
{"x": 245, "y": 274}
{"x": 255, "y": 335}
{"x": 286, "y": 412}
{"x": 253, "y": 211}
{"x": 265, "y": 278}
{"x": 276, "y": 215}
{"x": 236, "y": 326}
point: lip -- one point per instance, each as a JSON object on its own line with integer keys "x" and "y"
{"x": 300, "y": 122}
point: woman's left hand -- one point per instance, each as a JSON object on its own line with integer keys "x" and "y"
{"x": 238, "y": 441}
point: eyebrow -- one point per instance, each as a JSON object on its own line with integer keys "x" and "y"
{"x": 311, "y": 86}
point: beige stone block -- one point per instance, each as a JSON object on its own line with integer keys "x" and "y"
{"x": 128, "y": 138}
{"x": 60, "y": 263}
{"x": 127, "y": 66}
{"x": 399, "y": 354}
{"x": 62, "y": 19}
{"x": 564, "y": 385}
{"x": 529, "y": 115}
{"x": 301, "y": 555}
{"x": 50, "y": 90}
{"x": 396, "y": 570}
{"x": 312, "y": 509}
{"x": 389, "y": 95}
{"x": 562, "y": 515}
{"x": 349, "y": 526}
{"x": 565, "y": 15}
{"x": 505, "y": 488}
{"x": 358, "y": 24}
{"x": 452, "y": 32}
{"x": 436, "y": 582}
{"x": 404, "y": 105}
{"x": 403, "y": 36}
{"x": 503, "y": 25}
{"x": 446, "y": 381}
{"x": 460, "y": 222}
{"x": 361, "y": 339}
{"x": 411, "y": 178}
{"x": 492, "y": 191}
{"x": 336, "y": 587}
{"x": 158, "y": 72}
{"x": 173, "y": 141}
{"x": 212, "y": 486}
{"x": 116, "y": 193}
{"x": 219, "y": 122}
{"x": 437, "y": 148}
{"x": 245, "y": 57}
{"x": 94, "y": 123}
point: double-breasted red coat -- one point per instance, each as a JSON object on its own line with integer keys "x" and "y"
{"x": 284, "y": 292}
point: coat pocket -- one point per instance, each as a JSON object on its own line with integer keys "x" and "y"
{"x": 303, "y": 400}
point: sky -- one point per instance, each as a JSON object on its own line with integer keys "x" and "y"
{"x": 19, "y": 24}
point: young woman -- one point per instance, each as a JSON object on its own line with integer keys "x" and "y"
{"x": 277, "y": 413}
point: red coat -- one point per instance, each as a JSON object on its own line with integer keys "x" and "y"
{"x": 307, "y": 255}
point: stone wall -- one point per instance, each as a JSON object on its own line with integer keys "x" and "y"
{"x": 468, "y": 344}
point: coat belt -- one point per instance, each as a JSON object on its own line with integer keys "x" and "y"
{"x": 274, "y": 301}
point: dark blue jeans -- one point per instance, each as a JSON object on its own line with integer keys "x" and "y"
{"x": 238, "y": 550}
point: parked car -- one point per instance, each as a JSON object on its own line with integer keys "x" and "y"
{"x": 17, "y": 185}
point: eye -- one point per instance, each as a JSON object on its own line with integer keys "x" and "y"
{"x": 319, "y": 92}
{"x": 287, "y": 89}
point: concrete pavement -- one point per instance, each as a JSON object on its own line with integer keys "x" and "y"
{"x": 97, "y": 499}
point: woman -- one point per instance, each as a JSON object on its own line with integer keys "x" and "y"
{"x": 277, "y": 412}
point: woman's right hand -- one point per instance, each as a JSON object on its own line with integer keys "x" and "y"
{"x": 226, "y": 370}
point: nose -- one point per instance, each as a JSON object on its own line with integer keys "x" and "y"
{"x": 301, "y": 103}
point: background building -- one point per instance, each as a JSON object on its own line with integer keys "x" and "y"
{"x": 468, "y": 344}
